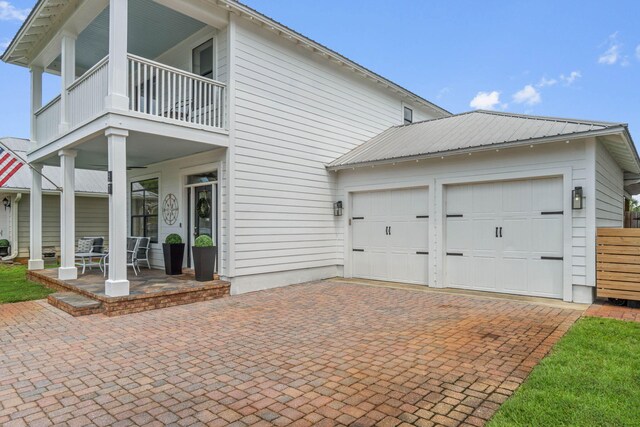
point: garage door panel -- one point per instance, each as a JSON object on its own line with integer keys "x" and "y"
{"x": 483, "y": 236}
{"x": 360, "y": 264}
{"x": 512, "y": 277}
{"x": 516, "y": 235}
{"x": 485, "y": 198}
{"x": 546, "y": 195}
{"x": 379, "y": 266}
{"x": 516, "y": 197}
{"x": 545, "y": 278}
{"x": 410, "y": 268}
{"x": 483, "y": 272}
{"x": 547, "y": 235}
{"x": 458, "y": 231}
{"x": 458, "y": 271}
{"x": 417, "y": 237}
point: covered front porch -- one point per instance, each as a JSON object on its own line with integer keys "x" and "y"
{"x": 149, "y": 290}
{"x": 182, "y": 164}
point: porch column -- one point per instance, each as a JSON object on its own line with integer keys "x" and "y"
{"x": 117, "y": 284}
{"x": 68, "y": 76}
{"x": 36, "y": 100}
{"x": 35, "y": 219}
{"x": 67, "y": 268}
{"x": 118, "y": 21}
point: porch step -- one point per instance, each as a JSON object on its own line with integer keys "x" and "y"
{"x": 75, "y": 304}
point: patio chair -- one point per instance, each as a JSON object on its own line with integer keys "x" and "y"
{"x": 133, "y": 243}
{"x": 143, "y": 252}
{"x": 87, "y": 250}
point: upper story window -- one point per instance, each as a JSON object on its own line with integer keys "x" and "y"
{"x": 144, "y": 209}
{"x": 202, "y": 58}
{"x": 408, "y": 115}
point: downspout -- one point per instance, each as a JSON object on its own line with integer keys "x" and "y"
{"x": 14, "y": 228}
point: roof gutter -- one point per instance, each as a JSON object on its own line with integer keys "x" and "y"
{"x": 536, "y": 141}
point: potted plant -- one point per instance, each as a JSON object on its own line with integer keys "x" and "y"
{"x": 204, "y": 258}
{"x": 5, "y": 248}
{"x": 173, "y": 250}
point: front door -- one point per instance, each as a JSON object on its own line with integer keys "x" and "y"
{"x": 202, "y": 214}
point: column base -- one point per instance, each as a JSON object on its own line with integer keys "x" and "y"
{"x": 116, "y": 288}
{"x": 67, "y": 273}
{"x": 36, "y": 264}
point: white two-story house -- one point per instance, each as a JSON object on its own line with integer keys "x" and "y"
{"x": 211, "y": 118}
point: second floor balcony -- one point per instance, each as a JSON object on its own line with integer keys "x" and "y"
{"x": 162, "y": 61}
{"x": 154, "y": 90}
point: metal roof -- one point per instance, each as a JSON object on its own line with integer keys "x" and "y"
{"x": 87, "y": 181}
{"x": 477, "y": 130}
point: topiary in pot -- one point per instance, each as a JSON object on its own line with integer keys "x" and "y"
{"x": 204, "y": 258}
{"x": 5, "y": 247}
{"x": 173, "y": 251}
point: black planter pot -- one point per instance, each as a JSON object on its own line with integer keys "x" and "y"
{"x": 5, "y": 251}
{"x": 173, "y": 255}
{"x": 204, "y": 262}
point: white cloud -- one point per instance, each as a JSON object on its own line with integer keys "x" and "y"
{"x": 544, "y": 82}
{"x": 613, "y": 52}
{"x": 528, "y": 95}
{"x": 568, "y": 80}
{"x": 638, "y": 52}
{"x": 9, "y": 12}
{"x": 442, "y": 92}
{"x": 485, "y": 100}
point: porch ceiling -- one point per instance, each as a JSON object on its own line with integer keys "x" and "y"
{"x": 143, "y": 149}
{"x": 153, "y": 29}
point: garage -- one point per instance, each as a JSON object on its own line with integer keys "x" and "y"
{"x": 390, "y": 235}
{"x": 505, "y": 237}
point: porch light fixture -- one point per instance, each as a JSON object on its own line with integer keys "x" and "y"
{"x": 576, "y": 197}
{"x": 7, "y": 203}
{"x": 337, "y": 208}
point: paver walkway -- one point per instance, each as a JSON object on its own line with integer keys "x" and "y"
{"x": 327, "y": 353}
{"x": 602, "y": 308}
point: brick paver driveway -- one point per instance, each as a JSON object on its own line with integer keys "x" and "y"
{"x": 318, "y": 354}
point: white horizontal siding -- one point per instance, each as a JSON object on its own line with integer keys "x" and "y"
{"x": 609, "y": 190}
{"x": 295, "y": 112}
{"x": 92, "y": 219}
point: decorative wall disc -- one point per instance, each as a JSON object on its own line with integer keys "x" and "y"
{"x": 170, "y": 209}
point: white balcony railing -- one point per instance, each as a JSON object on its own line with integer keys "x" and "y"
{"x": 48, "y": 120}
{"x": 86, "y": 95}
{"x": 159, "y": 90}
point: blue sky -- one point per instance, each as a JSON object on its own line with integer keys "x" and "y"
{"x": 576, "y": 59}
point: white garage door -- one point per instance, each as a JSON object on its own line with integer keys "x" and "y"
{"x": 390, "y": 235}
{"x": 505, "y": 237}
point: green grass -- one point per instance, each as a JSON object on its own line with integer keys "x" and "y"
{"x": 15, "y": 287}
{"x": 591, "y": 378}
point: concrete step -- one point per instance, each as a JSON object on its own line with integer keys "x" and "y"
{"x": 75, "y": 304}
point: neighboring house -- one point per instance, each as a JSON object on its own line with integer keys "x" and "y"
{"x": 234, "y": 125}
{"x": 92, "y": 214}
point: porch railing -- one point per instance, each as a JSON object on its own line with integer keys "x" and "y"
{"x": 48, "y": 120}
{"x": 87, "y": 93}
{"x": 163, "y": 91}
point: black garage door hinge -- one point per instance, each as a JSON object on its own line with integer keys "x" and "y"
{"x": 552, "y": 213}
{"x": 422, "y": 253}
{"x": 553, "y": 258}
{"x": 358, "y": 217}
{"x": 454, "y": 215}
{"x": 358, "y": 250}
{"x": 455, "y": 254}
{"x": 422, "y": 216}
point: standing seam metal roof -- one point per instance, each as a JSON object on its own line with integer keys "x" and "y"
{"x": 464, "y": 131}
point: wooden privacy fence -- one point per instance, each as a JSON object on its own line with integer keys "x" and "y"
{"x": 618, "y": 263}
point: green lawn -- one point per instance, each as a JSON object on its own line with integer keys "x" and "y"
{"x": 591, "y": 378}
{"x": 15, "y": 287}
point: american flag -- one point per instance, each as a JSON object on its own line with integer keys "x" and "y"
{"x": 9, "y": 165}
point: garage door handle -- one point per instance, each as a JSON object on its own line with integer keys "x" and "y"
{"x": 500, "y": 231}
{"x": 496, "y": 231}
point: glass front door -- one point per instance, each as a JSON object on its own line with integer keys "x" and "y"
{"x": 202, "y": 214}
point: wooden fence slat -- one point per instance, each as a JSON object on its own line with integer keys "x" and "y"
{"x": 618, "y": 263}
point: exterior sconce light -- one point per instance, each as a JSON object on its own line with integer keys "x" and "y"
{"x": 337, "y": 208}
{"x": 7, "y": 203}
{"x": 576, "y": 197}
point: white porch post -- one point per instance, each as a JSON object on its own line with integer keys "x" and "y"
{"x": 35, "y": 219}
{"x": 118, "y": 20}
{"x": 68, "y": 76}
{"x": 67, "y": 268}
{"x": 117, "y": 284}
{"x": 36, "y": 100}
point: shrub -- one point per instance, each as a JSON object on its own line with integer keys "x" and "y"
{"x": 203, "y": 241}
{"x": 173, "y": 239}
{"x": 4, "y": 243}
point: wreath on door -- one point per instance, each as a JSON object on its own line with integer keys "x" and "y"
{"x": 203, "y": 207}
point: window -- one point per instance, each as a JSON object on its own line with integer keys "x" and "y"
{"x": 203, "y": 59}
{"x": 144, "y": 209}
{"x": 408, "y": 115}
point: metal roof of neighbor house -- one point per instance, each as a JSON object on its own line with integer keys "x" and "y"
{"x": 87, "y": 181}
{"x": 48, "y": 13}
{"x": 478, "y": 130}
